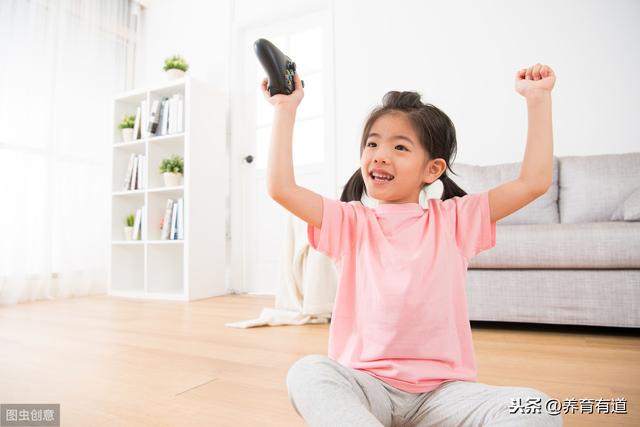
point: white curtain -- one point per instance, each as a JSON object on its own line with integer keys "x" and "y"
{"x": 62, "y": 63}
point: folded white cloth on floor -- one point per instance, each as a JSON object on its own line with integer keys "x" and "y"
{"x": 275, "y": 317}
{"x": 307, "y": 283}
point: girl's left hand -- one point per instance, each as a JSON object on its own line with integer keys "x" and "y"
{"x": 535, "y": 79}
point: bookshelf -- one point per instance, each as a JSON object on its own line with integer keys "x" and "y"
{"x": 182, "y": 269}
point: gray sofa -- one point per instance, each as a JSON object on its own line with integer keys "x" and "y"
{"x": 562, "y": 259}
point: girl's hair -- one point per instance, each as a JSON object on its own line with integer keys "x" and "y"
{"x": 435, "y": 131}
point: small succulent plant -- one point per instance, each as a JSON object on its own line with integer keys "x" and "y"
{"x": 175, "y": 62}
{"x": 127, "y": 122}
{"x": 174, "y": 164}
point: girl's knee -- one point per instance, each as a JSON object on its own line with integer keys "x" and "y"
{"x": 303, "y": 370}
{"x": 535, "y": 406}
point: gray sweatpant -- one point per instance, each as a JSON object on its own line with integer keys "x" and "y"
{"x": 327, "y": 394}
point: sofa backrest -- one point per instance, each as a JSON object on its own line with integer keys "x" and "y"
{"x": 476, "y": 179}
{"x": 592, "y": 187}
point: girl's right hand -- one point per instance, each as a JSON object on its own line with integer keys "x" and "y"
{"x": 280, "y": 100}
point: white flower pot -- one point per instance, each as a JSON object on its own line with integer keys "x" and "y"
{"x": 174, "y": 73}
{"x": 172, "y": 179}
{"x": 128, "y": 233}
{"x": 127, "y": 134}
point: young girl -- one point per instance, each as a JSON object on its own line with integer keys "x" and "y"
{"x": 400, "y": 343}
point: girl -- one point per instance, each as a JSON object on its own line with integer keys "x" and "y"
{"x": 400, "y": 344}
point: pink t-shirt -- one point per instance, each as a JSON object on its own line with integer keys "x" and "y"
{"x": 400, "y": 311}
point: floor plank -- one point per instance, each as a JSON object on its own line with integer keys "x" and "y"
{"x": 122, "y": 362}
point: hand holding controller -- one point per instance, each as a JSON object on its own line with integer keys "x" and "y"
{"x": 278, "y": 66}
{"x": 287, "y": 101}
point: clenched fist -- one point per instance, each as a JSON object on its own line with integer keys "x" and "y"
{"x": 534, "y": 80}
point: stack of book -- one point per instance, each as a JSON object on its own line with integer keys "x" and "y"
{"x": 136, "y": 172}
{"x": 167, "y": 117}
{"x": 172, "y": 225}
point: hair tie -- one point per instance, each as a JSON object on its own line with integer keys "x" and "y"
{"x": 432, "y": 191}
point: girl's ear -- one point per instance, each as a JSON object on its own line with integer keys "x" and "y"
{"x": 434, "y": 169}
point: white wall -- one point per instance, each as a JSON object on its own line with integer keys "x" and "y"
{"x": 196, "y": 29}
{"x": 462, "y": 56}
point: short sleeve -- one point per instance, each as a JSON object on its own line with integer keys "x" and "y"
{"x": 336, "y": 235}
{"x": 469, "y": 219}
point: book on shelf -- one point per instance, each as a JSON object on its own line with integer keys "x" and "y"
{"x": 136, "y": 172}
{"x": 172, "y": 222}
{"x": 165, "y": 116}
{"x": 174, "y": 214}
{"x": 140, "y": 177}
{"x": 171, "y": 107}
{"x": 154, "y": 120}
{"x": 144, "y": 119}
{"x": 180, "y": 121}
{"x": 178, "y": 111}
{"x": 180, "y": 226}
{"x": 164, "y": 234}
{"x": 127, "y": 177}
{"x": 136, "y": 124}
{"x": 137, "y": 224}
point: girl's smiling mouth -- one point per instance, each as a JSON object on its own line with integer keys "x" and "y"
{"x": 380, "y": 176}
{"x": 377, "y": 180}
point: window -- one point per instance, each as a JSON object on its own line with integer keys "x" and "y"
{"x": 306, "y": 49}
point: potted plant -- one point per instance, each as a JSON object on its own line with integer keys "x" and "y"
{"x": 127, "y": 125}
{"x": 172, "y": 170}
{"x": 128, "y": 230}
{"x": 175, "y": 66}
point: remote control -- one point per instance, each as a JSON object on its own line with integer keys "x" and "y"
{"x": 279, "y": 67}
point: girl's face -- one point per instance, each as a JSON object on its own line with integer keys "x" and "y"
{"x": 392, "y": 148}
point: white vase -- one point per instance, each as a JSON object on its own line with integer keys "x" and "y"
{"x": 174, "y": 73}
{"x": 128, "y": 233}
{"x": 127, "y": 134}
{"x": 172, "y": 179}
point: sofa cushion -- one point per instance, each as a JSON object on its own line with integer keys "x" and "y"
{"x": 629, "y": 210}
{"x": 592, "y": 187}
{"x": 590, "y": 245}
{"x": 563, "y": 296}
{"x": 476, "y": 179}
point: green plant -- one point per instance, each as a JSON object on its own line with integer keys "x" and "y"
{"x": 177, "y": 62}
{"x": 127, "y": 122}
{"x": 130, "y": 220}
{"x": 175, "y": 164}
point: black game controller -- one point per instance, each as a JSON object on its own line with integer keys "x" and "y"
{"x": 279, "y": 67}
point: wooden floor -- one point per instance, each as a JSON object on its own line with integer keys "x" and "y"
{"x": 118, "y": 362}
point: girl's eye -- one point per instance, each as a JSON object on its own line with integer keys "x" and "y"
{"x": 369, "y": 145}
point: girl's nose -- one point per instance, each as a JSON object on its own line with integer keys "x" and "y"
{"x": 381, "y": 158}
{"x": 381, "y": 155}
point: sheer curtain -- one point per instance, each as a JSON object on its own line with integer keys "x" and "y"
{"x": 63, "y": 60}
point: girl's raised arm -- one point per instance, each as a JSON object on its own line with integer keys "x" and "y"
{"x": 536, "y": 173}
{"x": 281, "y": 185}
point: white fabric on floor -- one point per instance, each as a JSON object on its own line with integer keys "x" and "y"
{"x": 307, "y": 282}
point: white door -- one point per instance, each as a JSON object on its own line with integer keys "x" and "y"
{"x": 257, "y": 222}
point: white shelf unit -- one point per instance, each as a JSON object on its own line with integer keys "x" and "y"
{"x": 194, "y": 267}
